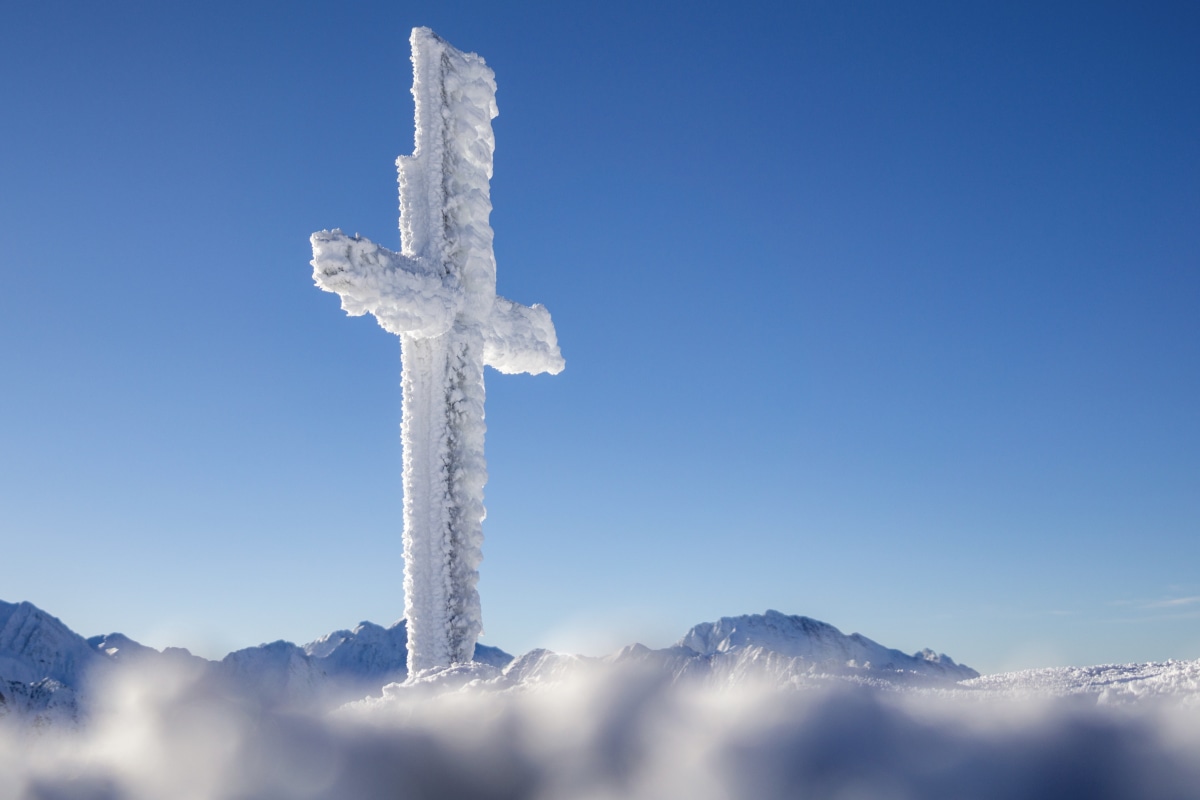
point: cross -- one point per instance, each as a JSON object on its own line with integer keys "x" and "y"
{"x": 438, "y": 294}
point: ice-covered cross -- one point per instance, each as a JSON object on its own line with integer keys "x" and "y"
{"x": 439, "y": 295}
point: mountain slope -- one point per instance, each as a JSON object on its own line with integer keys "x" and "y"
{"x": 35, "y": 645}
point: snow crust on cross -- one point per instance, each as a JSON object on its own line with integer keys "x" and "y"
{"x": 438, "y": 294}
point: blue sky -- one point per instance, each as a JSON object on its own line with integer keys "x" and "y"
{"x": 883, "y": 315}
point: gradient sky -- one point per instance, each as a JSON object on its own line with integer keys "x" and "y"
{"x": 885, "y": 314}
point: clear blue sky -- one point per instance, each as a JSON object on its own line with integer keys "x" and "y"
{"x": 886, "y": 314}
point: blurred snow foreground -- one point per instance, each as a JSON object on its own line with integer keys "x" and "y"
{"x": 764, "y": 706}
{"x": 439, "y": 296}
{"x": 616, "y": 734}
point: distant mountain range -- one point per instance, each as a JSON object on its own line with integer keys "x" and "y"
{"x": 46, "y": 668}
{"x": 49, "y": 674}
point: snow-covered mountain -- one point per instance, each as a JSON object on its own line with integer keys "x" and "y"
{"x": 793, "y": 644}
{"x": 42, "y": 664}
{"x": 35, "y": 645}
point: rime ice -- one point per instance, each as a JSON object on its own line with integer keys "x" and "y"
{"x": 439, "y": 296}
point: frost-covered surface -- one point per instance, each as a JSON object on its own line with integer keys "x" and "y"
{"x": 406, "y": 295}
{"x": 521, "y": 339}
{"x": 439, "y": 295}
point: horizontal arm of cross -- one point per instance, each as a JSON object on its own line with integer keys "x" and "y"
{"x": 521, "y": 338}
{"x": 406, "y": 295}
